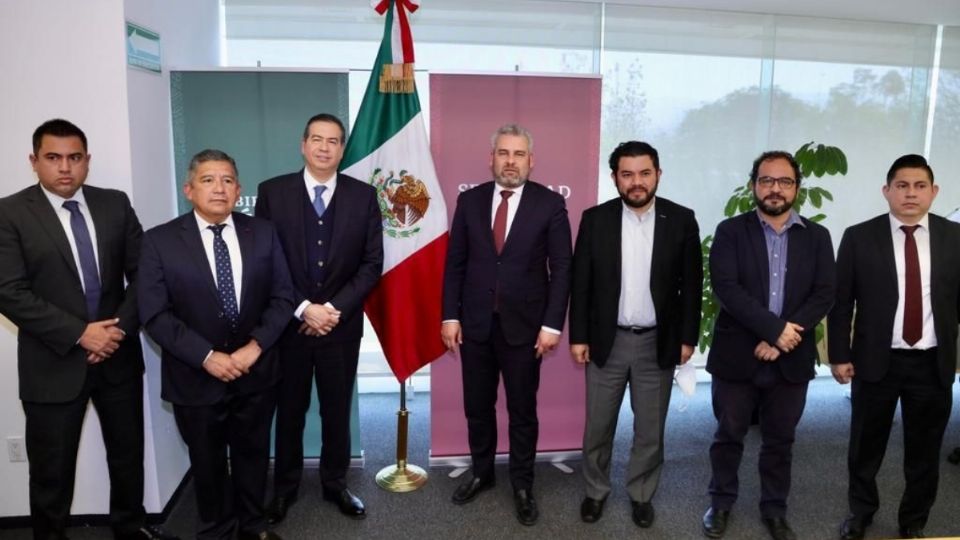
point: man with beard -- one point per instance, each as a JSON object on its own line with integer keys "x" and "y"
{"x": 634, "y": 315}
{"x": 504, "y": 301}
{"x": 774, "y": 275}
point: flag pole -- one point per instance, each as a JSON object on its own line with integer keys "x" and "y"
{"x": 402, "y": 477}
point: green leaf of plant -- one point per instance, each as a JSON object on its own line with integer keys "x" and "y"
{"x": 815, "y": 199}
{"x": 745, "y": 205}
{"x": 731, "y": 208}
{"x": 820, "y": 166}
{"x": 818, "y": 218}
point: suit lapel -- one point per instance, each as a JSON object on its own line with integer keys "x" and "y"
{"x": 614, "y": 241}
{"x": 98, "y": 215}
{"x": 887, "y": 259}
{"x": 755, "y": 234}
{"x": 343, "y": 208}
{"x": 938, "y": 247}
{"x": 661, "y": 228}
{"x": 245, "y": 239}
{"x": 528, "y": 205}
{"x": 295, "y": 193}
{"x": 190, "y": 234}
{"x": 485, "y": 211}
{"x": 50, "y": 222}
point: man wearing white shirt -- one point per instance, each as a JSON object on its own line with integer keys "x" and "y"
{"x": 215, "y": 294}
{"x": 504, "y": 302}
{"x": 634, "y": 316}
{"x": 897, "y": 273}
{"x": 332, "y": 233}
{"x": 66, "y": 251}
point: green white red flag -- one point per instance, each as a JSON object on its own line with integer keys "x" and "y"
{"x": 389, "y": 149}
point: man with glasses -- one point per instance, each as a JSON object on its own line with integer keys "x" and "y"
{"x": 774, "y": 275}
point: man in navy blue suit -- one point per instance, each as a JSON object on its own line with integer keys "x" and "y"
{"x": 504, "y": 303}
{"x": 215, "y": 294}
{"x": 774, "y": 275}
{"x": 332, "y": 233}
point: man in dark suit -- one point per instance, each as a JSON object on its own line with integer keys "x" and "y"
{"x": 634, "y": 315}
{"x": 65, "y": 250}
{"x": 504, "y": 301}
{"x": 774, "y": 275}
{"x": 331, "y": 230}
{"x": 899, "y": 273}
{"x": 215, "y": 294}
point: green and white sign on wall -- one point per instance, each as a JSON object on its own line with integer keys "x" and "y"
{"x": 143, "y": 48}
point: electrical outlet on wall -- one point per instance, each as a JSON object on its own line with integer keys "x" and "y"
{"x": 16, "y": 449}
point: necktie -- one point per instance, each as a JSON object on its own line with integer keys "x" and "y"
{"x": 500, "y": 221}
{"x": 88, "y": 263}
{"x": 225, "y": 288}
{"x": 913, "y": 295}
{"x": 318, "y": 205}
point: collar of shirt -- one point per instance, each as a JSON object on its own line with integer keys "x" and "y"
{"x": 895, "y": 223}
{"x": 628, "y": 211}
{"x": 794, "y": 219}
{"x": 517, "y": 192}
{"x": 57, "y": 201}
{"x": 203, "y": 224}
{"x": 310, "y": 182}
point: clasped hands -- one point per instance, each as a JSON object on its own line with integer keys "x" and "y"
{"x": 228, "y": 367}
{"x": 318, "y": 320}
{"x": 790, "y": 337}
{"x": 101, "y": 339}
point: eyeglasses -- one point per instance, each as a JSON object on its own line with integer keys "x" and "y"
{"x": 785, "y": 182}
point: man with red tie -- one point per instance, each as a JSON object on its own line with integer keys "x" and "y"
{"x": 504, "y": 303}
{"x": 898, "y": 273}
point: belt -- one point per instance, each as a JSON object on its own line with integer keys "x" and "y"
{"x": 914, "y": 353}
{"x": 637, "y": 329}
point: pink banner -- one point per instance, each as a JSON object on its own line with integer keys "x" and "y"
{"x": 563, "y": 114}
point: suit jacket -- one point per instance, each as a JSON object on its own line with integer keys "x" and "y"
{"x": 676, "y": 280}
{"x": 356, "y": 251}
{"x": 739, "y": 272}
{"x": 867, "y": 281}
{"x": 531, "y": 274}
{"x": 180, "y": 307}
{"x": 41, "y": 291}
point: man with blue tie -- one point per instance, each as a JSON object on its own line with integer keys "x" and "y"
{"x": 215, "y": 294}
{"x": 66, "y": 249}
{"x": 332, "y": 233}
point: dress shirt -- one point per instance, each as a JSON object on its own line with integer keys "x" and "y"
{"x": 229, "y": 235}
{"x": 922, "y": 237}
{"x": 64, "y": 216}
{"x": 310, "y": 183}
{"x": 777, "y": 243}
{"x": 512, "y": 204}
{"x": 636, "y": 248}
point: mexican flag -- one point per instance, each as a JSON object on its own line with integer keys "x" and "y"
{"x": 389, "y": 149}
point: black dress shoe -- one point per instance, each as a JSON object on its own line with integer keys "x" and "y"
{"x": 147, "y": 532}
{"x": 591, "y": 509}
{"x": 469, "y": 489}
{"x": 911, "y": 532}
{"x": 262, "y": 535}
{"x": 349, "y": 504}
{"x": 277, "y": 509}
{"x": 854, "y": 527}
{"x": 715, "y": 522}
{"x": 642, "y": 514}
{"x": 527, "y": 512}
{"x": 779, "y": 529}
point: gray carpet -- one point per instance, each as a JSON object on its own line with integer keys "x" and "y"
{"x": 817, "y": 502}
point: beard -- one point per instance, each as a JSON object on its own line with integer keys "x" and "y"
{"x": 767, "y": 204}
{"x": 638, "y": 197}
{"x": 508, "y": 181}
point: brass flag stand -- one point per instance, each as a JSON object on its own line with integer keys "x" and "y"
{"x": 402, "y": 477}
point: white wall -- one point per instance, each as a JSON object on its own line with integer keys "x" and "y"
{"x": 67, "y": 59}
